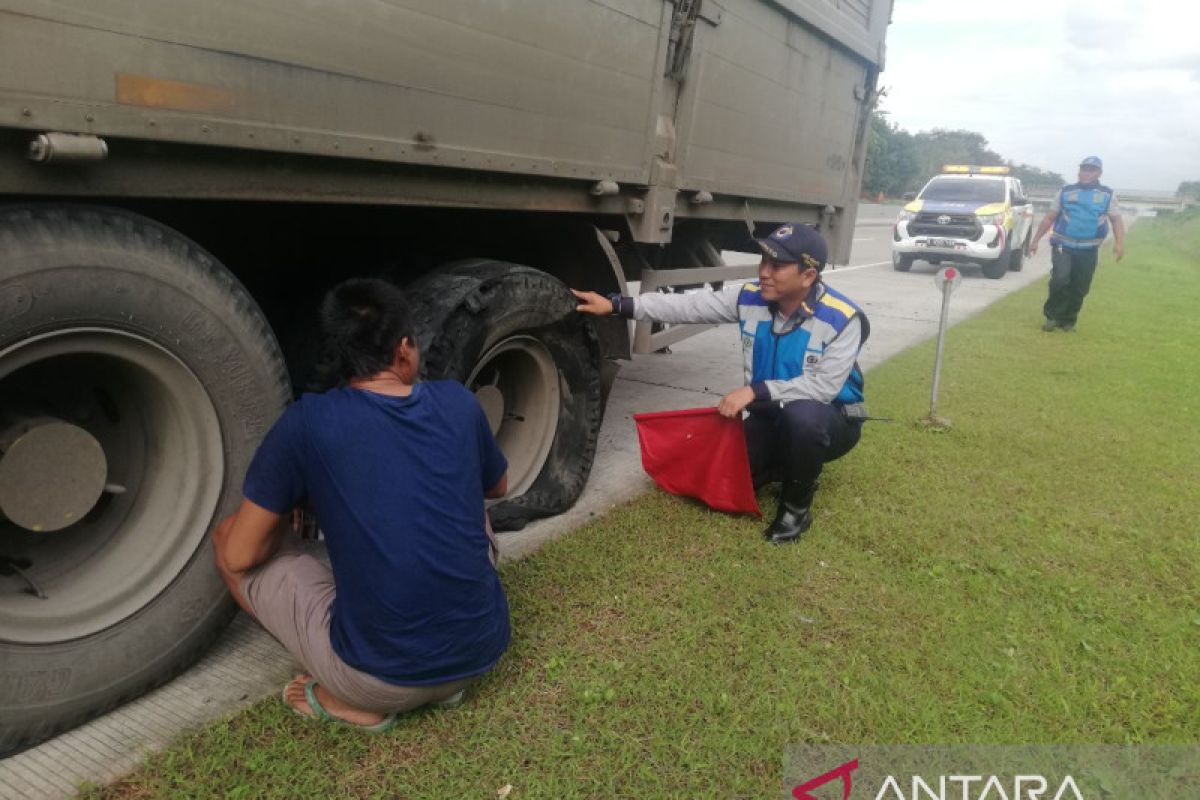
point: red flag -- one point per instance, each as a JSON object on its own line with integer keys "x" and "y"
{"x": 698, "y": 453}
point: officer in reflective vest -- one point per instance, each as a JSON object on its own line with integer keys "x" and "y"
{"x": 1080, "y": 217}
{"x": 800, "y": 345}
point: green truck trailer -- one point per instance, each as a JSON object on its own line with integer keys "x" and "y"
{"x": 181, "y": 181}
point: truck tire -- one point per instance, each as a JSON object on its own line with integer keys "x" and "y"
{"x": 136, "y": 378}
{"x": 902, "y": 262}
{"x": 995, "y": 268}
{"x": 510, "y": 334}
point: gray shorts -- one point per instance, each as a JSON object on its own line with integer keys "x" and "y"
{"x": 291, "y": 596}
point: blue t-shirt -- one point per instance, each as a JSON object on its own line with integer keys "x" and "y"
{"x": 397, "y": 484}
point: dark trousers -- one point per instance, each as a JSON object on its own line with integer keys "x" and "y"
{"x": 794, "y": 442}
{"x": 1071, "y": 274}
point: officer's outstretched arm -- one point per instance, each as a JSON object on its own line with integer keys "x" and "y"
{"x": 670, "y": 307}
{"x": 593, "y": 303}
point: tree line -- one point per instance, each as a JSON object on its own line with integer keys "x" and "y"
{"x": 899, "y": 161}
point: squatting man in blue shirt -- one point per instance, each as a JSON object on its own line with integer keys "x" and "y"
{"x": 800, "y": 344}
{"x": 1079, "y": 215}
{"x": 397, "y": 472}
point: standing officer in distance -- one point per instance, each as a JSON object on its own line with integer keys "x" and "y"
{"x": 800, "y": 344}
{"x": 1080, "y": 216}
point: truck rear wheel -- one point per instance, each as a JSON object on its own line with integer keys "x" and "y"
{"x": 510, "y": 334}
{"x": 136, "y": 379}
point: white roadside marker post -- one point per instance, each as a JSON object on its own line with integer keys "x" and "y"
{"x": 946, "y": 281}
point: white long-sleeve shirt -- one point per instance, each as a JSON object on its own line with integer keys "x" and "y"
{"x": 821, "y": 380}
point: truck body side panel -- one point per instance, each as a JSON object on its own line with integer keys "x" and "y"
{"x": 775, "y": 112}
{"x": 521, "y": 104}
{"x": 777, "y": 104}
{"x": 561, "y": 89}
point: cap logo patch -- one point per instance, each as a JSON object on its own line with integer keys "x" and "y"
{"x": 809, "y": 261}
{"x": 782, "y": 233}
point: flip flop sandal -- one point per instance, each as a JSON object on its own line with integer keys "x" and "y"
{"x": 310, "y": 694}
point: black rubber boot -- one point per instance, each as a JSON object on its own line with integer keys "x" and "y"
{"x": 795, "y": 512}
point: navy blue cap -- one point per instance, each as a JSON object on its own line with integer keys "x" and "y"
{"x": 796, "y": 244}
{"x": 1092, "y": 161}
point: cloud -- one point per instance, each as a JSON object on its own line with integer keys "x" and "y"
{"x": 1151, "y": 80}
{"x": 954, "y": 12}
{"x": 1097, "y": 34}
{"x": 1100, "y": 25}
{"x": 1114, "y": 77}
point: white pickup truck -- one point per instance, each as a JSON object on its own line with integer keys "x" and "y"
{"x": 966, "y": 215}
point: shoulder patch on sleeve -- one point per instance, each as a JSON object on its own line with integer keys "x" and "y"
{"x": 751, "y": 295}
{"x": 829, "y": 300}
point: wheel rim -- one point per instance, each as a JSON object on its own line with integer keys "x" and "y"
{"x": 516, "y": 383}
{"x": 163, "y": 466}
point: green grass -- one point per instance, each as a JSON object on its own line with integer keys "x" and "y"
{"x": 1030, "y": 575}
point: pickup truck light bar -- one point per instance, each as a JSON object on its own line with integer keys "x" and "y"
{"x": 964, "y": 169}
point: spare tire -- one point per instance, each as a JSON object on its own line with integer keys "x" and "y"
{"x": 137, "y": 377}
{"x": 510, "y": 333}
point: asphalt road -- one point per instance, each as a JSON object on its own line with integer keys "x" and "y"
{"x": 247, "y": 664}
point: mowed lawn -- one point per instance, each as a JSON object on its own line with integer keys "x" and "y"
{"x": 1030, "y": 575}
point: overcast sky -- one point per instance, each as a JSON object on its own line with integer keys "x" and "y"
{"x": 1048, "y": 82}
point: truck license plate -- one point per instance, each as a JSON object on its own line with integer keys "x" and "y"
{"x": 941, "y": 243}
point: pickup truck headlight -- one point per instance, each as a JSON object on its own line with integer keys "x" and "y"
{"x": 905, "y": 216}
{"x": 991, "y": 219}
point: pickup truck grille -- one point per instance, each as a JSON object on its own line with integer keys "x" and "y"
{"x": 960, "y": 226}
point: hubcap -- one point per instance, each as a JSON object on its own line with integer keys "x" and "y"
{"x": 112, "y": 443}
{"x": 516, "y": 383}
{"x": 51, "y": 476}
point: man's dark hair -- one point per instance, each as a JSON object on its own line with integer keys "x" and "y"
{"x": 363, "y": 321}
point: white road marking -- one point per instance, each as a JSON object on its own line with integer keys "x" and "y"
{"x": 859, "y": 266}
